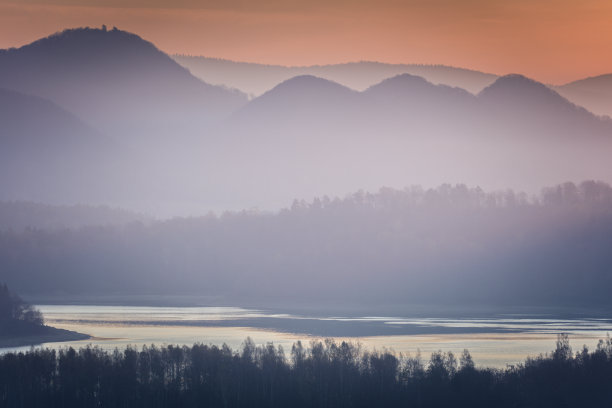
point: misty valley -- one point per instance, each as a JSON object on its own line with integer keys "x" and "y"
{"x": 180, "y": 230}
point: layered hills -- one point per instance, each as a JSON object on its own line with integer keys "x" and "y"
{"x": 138, "y": 130}
{"x": 256, "y": 79}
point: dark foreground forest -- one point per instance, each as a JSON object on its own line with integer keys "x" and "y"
{"x": 326, "y": 374}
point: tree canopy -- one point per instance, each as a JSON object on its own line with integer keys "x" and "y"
{"x": 323, "y": 374}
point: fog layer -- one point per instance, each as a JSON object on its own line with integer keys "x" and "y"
{"x": 446, "y": 246}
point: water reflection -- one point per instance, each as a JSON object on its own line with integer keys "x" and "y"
{"x": 493, "y": 342}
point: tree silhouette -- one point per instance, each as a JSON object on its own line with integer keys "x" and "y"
{"x": 326, "y": 374}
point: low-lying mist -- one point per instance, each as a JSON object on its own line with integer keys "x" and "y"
{"x": 452, "y": 245}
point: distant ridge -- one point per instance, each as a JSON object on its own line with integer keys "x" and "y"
{"x": 594, "y": 93}
{"x": 413, "y": 96}
{"x": 513, "y": 96}
{"x": 255, "y": 79}
{"x": 327, "y": 137}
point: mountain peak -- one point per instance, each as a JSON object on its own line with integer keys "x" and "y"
{"x": 85, "y": 40}
{"x": 518, "y": 85}
{"x": 526, "y": 94}
{"x": 91, "y": 52}
{"x": 404, "y": 83}
{"x": 402, "y": 80}
{"x": 302, "y": 96}
{"x": 518, "y": 95}
{"x": 306, "y": 88}
{"x": 95, "y": 73}
{"x": 310, "y": 83}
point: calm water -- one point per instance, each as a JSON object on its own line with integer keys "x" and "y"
{"x": 493, "y": 342}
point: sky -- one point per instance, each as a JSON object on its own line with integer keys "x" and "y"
{"x": 553, "y": 41}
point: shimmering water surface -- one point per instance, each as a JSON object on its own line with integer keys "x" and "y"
{"x": 494, "y": 342}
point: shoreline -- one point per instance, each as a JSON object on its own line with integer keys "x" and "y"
{"x": 49, "y": 335}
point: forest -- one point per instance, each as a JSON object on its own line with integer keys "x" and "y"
{"x": 324, "y": 374}
{"x": 16, "y": 315}
{"x": 452, "y": 245}
{"x": 22, "y": 324}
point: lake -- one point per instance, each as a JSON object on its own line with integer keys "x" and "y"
{"x": 494, "y": 341}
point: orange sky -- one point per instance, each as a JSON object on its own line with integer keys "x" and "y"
{"x": 554, "y": 41}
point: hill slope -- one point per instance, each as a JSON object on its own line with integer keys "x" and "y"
{"x": 46, "y": 153}
{"x": 115, "y": 81}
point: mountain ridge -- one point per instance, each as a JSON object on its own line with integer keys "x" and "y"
{"x": 97, "y": 73}
{"x": 413, "y": 131}
{"x": 594, "y": 93}
{"x": 305, "y": 137}
{"x": 224, "y": 71}
{"x": 355, "y": 75}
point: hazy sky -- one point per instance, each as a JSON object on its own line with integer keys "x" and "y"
{"x": 550, "y": 40}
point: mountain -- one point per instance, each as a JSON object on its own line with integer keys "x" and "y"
{"x": 322, "y": 110}
{"x": 155, "y": 112}
{"x": 46, "y": 151}
{"x": 256, "y": 79}
{"x": 515, "y": 96}
{"x": 594, "y": 93}
{"x": 409, "y": 100}
{"x": 537, "y": 135}
{"x": 132, "y": 128}
{"x": 116, "y": 82}
{"x": 407, "y": 97}
{"x": 413, "y": 99}
{"x": 313, "y": 136}
{"x": 302, "y": 98}
{"x": 317, "y": 101}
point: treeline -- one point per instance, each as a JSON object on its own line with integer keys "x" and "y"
{"x": 17, "y": 317}
{"x": 326, "y": 374}
{"x": 19, "y": 215}
{"x": 450, "y": 245}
